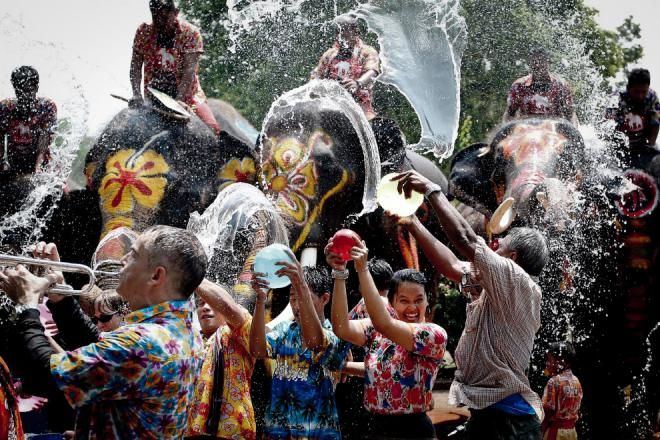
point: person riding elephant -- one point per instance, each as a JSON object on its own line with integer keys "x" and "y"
{"x": 169, "y": 49}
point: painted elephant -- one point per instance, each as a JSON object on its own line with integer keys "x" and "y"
{"x": 603, "y": 246}
{"x": 146, "y": 169}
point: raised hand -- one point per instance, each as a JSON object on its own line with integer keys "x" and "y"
{"x": 334, "y": 260}
{"x": 412, "y": 181}
{"x": 292, "y": 270}
{"x": 360, "y": 255}
{"x": 260, "y": 287}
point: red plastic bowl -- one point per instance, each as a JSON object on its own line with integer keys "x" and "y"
{"x": 343, "y": 241}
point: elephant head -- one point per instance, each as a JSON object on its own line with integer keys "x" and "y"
{"x": 532, "y": 161}
{"x": 149, "y": 170}
{"x": 319, "y": 161}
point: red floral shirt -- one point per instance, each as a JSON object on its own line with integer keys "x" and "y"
{"x": 363, "y": 59}
{"x": 23, "y": 133}
{"x": 163, "y": 66}
{"x": 553, "y": 100}
{"x": 398, "y": 381}
{"x": 562, "y": 397}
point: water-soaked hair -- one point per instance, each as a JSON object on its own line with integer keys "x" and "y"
{"x": 112, "y": 302}
{"x": 563, "y": 351}
{"x": 531, "y": 249}
{"x": 404, "y": 276}
{"x": 318, "y": 279}
{"x": 639, "y": 77}
{"x": 162, "y": 5}
{"x": 540, "y": 52}
{"x": 181, "y": 252}
{"x": 24, "y": 75}
{"x": 381, "y": 272}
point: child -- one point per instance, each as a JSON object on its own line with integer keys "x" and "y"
{"x": 562, "y": 395}
{"x": 306, "y": 354}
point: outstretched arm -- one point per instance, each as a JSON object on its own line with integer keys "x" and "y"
{"x": 397, "y": 331}
{"x": 219, "y": 299}
{"x": 351, "y": 331}
{"x": 442, "y": 258}
{"x": 190, "y": 61}
{"x": 457, "y": 229}
{"x": 258, "y": 346}
{"x": 310, "y": 325}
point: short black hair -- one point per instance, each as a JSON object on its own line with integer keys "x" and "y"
{"x": 24, "y": 75}
{"x": 639, "y": 77}
{"x": 318, "y": 279}
{"x": 181, "y": 251}
{"x": 563, "y": 351}
{"x": 405, "y": 276}
{"x": 162, "y": 5}
{"x": 381, "y": 272}
{"x": 539, "y": 52}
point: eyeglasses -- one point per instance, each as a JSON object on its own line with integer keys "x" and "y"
{"x": 103, "y": 319}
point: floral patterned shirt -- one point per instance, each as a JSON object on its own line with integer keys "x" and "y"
{"x": 302, "y": 403}
{"x": 136, "y": 381}
{"x": 163, "y": 66}
{"x": 562, "y": 396}
{"x": 398, "y": 381}
{"x": 236, "y": 412}
{"x": 362, "y": 59}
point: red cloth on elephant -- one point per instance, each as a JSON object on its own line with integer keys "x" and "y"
{"x": 363, "y": 59}
{"x": 23, "y": 134}
{"x": 552, "y": 100}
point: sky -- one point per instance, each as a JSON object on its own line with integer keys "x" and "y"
{"x": 647, "y": 14}
{"x": 82, "y": 48}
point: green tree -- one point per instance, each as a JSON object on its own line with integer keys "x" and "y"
{"x": 278, "y": 54}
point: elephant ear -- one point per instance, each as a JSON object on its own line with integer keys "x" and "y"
{"x": 470, "y": 178}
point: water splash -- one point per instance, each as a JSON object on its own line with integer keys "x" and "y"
{"x": 421, "y": 46}
{"x": 227, "y": 227}
{"x": 329, "y": 96}
{"x": 26, "y": 225}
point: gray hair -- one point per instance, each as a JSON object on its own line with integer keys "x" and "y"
{"x": 179, "y": 251}
{"x": 531, "y": 249}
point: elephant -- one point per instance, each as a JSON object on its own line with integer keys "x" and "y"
{"x": 603, "y": 245}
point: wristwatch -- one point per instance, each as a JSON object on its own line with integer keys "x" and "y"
{"x": 340, "y": 274}
{"x": 432, "y": 189}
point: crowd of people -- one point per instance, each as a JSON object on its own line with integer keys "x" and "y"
{"x": 133, "y": 362}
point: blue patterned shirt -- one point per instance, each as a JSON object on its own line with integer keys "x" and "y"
{"x": 302, "y": 403}
{"x": 137, "y": 380}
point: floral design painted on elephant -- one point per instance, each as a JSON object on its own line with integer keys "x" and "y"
{"x": 237, "y": 170}
{"x": 132, "y": 182}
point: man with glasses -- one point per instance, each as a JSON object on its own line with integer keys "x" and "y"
{"x": 494, "y": 350}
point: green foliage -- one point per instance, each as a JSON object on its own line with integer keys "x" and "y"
{"x": 501, "y": 33}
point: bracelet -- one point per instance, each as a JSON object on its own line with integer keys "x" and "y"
{"x": 340, "y": 274}
{"x": 432, "y": 189}
{"x": 366, "y": 269}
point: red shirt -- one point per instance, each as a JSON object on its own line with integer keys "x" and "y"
{"x": 23, "y": 133}
{"x": 163, "y": 66}
{"x": 363, "y": 58}
{"x": 553, "y": 99}
{"x": 562, "y": 397}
